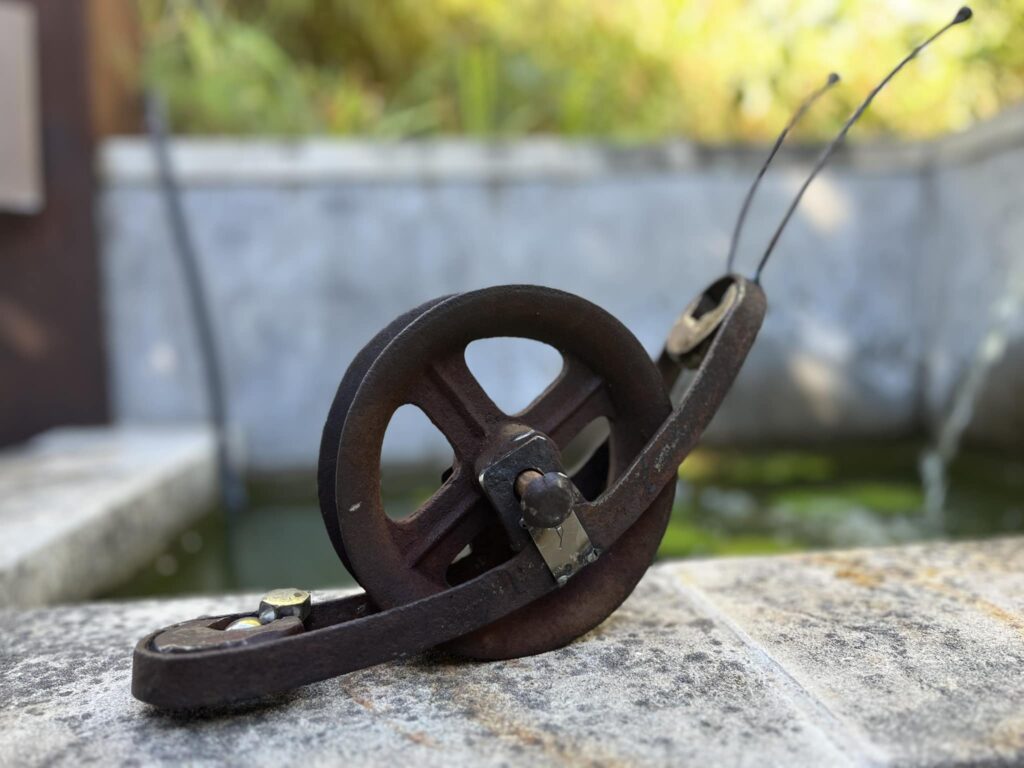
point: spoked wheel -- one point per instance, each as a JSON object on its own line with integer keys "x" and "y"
{"x": 456, "y": 534}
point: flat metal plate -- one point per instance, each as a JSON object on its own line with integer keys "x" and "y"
{"x": 566, "y": 549}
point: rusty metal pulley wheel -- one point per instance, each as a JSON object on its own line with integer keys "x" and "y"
{"x": 545, "y": 557}
{"x": 420, "y": 360}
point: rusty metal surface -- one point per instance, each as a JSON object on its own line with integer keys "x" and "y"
{"x": 606, "y": 373}
{"x": 327, "y": 465}
{"x": 208, "y": 634}
{"x": 676, "y": 437}
{"x": 508, "y": 603}
{"x": 341, "y": 636}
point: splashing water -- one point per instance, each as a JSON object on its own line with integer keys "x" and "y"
{"x": 935, "y": 461}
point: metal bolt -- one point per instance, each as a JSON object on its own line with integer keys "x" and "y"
{"x": 546, "y": 500}
{"x": 563, "y": 580}
{"x": 246, "y": 622}
{"x": 524, "y": 479}
{"x": 279, "y": 603}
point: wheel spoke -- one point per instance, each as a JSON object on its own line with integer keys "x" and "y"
{"x": 432, "y": 537}
{"x": 454, "y": 401}
{"x": 436, "y": 560}
{"x": 574, "y": 399}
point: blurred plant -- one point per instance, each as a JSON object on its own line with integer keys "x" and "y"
{"x": 624, "y": 69}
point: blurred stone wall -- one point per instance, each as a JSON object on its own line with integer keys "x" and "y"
{"x": 879, "y": 291}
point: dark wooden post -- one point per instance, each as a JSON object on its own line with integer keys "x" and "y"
{"x": 52, "y": 362}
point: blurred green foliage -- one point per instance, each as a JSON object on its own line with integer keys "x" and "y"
{"x": 625, "y": 69}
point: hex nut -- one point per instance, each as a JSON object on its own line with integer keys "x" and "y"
{"x": 279, "y": 603}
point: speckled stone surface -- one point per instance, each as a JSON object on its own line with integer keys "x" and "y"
{"x": 82, "y": 509}
{"x": 909, "y": 656}
{"x": 918, "y": 650}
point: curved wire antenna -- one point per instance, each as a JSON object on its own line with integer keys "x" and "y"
{"x": 961, "y": 16}
{"x": 833, "y": 78}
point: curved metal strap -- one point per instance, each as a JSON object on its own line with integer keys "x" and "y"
{"x": 722, "y": 353}
{"x": 343, "y": 635}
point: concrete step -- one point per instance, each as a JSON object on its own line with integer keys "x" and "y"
{"x": 82, "y": 509}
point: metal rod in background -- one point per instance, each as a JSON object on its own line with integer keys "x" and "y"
{"x": 231, "y": 486}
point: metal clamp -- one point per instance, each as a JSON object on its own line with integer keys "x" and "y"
{"x": 562, "y": 541}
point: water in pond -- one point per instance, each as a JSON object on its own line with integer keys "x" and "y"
{"x": 729, "y": 502}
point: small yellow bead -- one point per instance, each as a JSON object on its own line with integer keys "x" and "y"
{"x": 246, "y": 622}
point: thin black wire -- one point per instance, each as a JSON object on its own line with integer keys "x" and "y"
{"x": 962, "y": 15}
{"x": 833, "y": 78}
{"x": 231, "y": 485}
